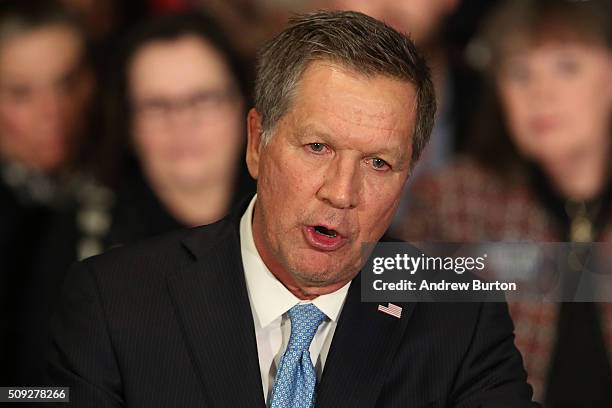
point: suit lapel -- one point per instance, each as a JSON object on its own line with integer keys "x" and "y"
{"x": 364, "y": 344}
{"x": 212, "y": 305}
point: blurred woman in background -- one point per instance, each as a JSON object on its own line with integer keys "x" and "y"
{"x": 45, "y": 89}
{"x": 538, "y": 169}
{"x": 176, "y": 132}
{"x": 172, "y": 157}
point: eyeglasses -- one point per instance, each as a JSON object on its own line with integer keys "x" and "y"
{"x": 198, "y": 105}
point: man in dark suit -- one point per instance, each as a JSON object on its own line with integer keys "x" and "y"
{"x": 264, "y": 306}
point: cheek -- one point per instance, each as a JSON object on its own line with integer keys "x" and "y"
{"x": 16, "y": 123}
{"x": 227, "y": 138}
{"x": 285, "y": 188}
{"x": 589, "y": 109}
{"x": 149, "y": 144}
{"x": 514, "y": 106}
{"x": 381, "y": 199}
{"x": 287, "y": 168}
{"x": 278, "y": 181}
{"x": 279, "y": 213}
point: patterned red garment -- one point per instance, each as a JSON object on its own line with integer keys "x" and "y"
{"x": 466, "y": 203}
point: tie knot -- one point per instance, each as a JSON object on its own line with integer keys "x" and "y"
{"x": 305, "y": 320}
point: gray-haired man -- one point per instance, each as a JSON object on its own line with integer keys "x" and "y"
{"x": 264, "y": 306}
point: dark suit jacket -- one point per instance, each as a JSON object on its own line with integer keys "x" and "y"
{"x": 167, "y": 323}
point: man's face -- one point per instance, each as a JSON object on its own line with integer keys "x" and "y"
{"x": 331, "y": 175}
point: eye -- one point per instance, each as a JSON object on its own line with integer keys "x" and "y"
{"x": 568, "y": 66}
{"x": 379, "y": 164}
{"x": 153, "y": 107}
{"x": 19, "y": 93}
{"x": 316, "y": 147}
{"x": 204, "y": 100}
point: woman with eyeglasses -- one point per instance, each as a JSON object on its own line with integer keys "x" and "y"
{"x": 176, "y": 129}
{"x": 171, "y": 158}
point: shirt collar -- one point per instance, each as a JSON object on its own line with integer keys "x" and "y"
{"x": 269, "y": 298}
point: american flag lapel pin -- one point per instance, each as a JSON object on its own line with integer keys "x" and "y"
{"x": 391, "y": 309}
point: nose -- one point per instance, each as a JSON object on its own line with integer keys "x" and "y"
{"x": 341, "y": 187}
{"x": 182, "y": 117}
{"x": 179, "y": 117}
{"x": 542, "y": 90}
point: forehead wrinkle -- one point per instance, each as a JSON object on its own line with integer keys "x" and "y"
{"x": 388, "y": 130}
{"x": 342, "y": 77}
{"x": 361, "y": 117}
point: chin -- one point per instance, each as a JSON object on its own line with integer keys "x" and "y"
{"x": 321, "y": 269}
{"x": 316, "y": 279}
{"x": 189, "y": 178}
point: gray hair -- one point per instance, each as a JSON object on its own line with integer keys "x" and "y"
{"x": 354, "y": 40}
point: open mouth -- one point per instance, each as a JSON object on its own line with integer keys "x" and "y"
{"x": 325, "y": 232}
{"x": 323, "y": 238}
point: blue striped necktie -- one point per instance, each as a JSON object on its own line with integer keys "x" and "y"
{"x": 294, "y": 386}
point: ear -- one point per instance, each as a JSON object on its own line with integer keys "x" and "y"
{"x": 254, "y": 134}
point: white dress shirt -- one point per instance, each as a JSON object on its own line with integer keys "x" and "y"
{"x": 270, "y": 301}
